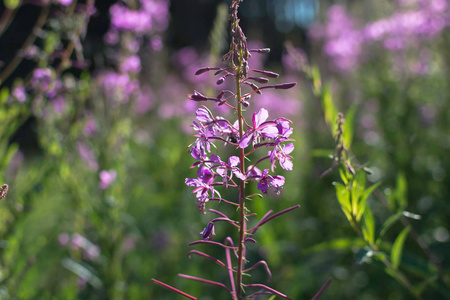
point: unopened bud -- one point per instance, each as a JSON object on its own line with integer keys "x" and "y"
{"x": 267, "y": 73}
{"x": 262, "y": 51}
{"x": 285, "y": 86}
{"x": 197, "y": 97}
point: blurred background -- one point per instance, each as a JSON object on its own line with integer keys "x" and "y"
{"x": 95, "y": 121}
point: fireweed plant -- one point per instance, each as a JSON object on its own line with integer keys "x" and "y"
{"x": 213, "y": 171}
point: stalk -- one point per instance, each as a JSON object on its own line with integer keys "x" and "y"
{"x": 242, "y": 221}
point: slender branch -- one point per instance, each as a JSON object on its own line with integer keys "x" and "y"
{"x": 322, "y": 289}
{"x": 174, "y": 289}
{"x": 206, "y": 281}
{"x": 230, "y": 273}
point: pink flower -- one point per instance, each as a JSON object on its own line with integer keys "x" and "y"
{"x": 106, "y": 178}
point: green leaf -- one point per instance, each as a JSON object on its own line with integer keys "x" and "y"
{"x": 344, "y": 175}
{"x": 317, "y": 82}
{"x": 397, "y": 248}
{"x": 349, "y": 126}
{"x": 329, "y": 108}
{"x": 343, "y": 196}
{"x": 363, "y": 200}
{"x": 388, "y": 224}
{"x": 398, "y": 200}
{"x": 358, "y": 185}
{"x": 368, "y": 228}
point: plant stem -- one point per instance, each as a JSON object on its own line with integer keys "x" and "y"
{"x": 242, "y": 221}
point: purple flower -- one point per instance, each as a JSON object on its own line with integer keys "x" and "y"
{"x": 41, "y": 79}
{"x": 267, "y": 181}
{"x": 208, "y": 232}
{"x": 204, "y": 185}
{"x": 106, "y": 178}
{"x": 281, "y": 153}
{"x": 65, "y": 2}
{"x": 124, "y": 19}
{"x": 260, "y": 129}
{"x": 131, "y": 64}
{"x": 20, "y": 94}
{"x": 222, "y": 168}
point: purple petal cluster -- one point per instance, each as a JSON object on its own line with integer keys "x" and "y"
{"x": 263, "y": 133}
{"x": 152, "y": 13}
{"x": 345, "y": 42}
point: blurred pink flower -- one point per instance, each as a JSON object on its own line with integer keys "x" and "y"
{"x": 131, "y": 64}
{"x": 107, "y": 178}
{"x": 65, "y": 2}
{"x": 20, "y": 94}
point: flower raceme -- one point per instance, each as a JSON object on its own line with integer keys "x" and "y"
{"x": 214, "y": 172}
{"x": 262, "y": 133}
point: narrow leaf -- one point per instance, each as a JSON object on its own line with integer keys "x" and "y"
{"x": 349, "y": 126}
{"x": 343, "y": 196}
{"x": 329, "y": 108}
{"x": 363, "y": 200}
{"x": 358, "y": 185}
{"x": 368, "y": 229}
{"x": 397, "y": 248}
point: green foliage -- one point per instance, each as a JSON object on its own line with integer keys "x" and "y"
{"x": 397, "y": 248}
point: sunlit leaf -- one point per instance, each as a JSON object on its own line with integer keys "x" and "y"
{"x": 358, "y": 185}
{"x": 397, "y": 248}
{"x": 317, "y": 82}
{"x": 349, "y": 126}
{"x": 329, "y": 108}
{"x": 343, "y": 196}
{"x": 368, "y": 228}
{"x": 344, "y": 175}
{"x": 363, "y": 200}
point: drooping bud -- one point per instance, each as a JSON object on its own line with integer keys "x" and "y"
{"x": 259, "y": 79}
{"x": 197, "y": 97}
{"x": 267, "y": 73}
{"x": 203, "y": 70}
{"x": 285, "y": 86}
{"x": 253, "y": 86}
{"x": 262, "y": 51}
